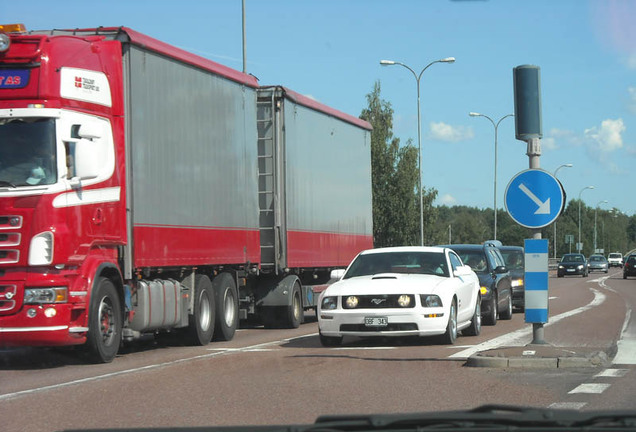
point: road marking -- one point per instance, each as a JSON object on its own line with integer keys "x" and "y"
{"x": 590, "y": 388}
{"x": 363, "y": 348}
{"x": 226, "y": 351}
{"x": 626, "y": 345}
{"x": 612, "y": 373}
{"x": 568, "y": 405}
{"x": 514, "y": 338}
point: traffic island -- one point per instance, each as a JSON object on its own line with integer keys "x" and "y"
{"x": 539, "y": 357}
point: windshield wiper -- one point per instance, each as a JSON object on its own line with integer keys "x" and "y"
{"x": 490, "y": 416}
{"x": 6, "y": 183}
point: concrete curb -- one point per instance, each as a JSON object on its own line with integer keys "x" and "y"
{"x": 498, "y": 359}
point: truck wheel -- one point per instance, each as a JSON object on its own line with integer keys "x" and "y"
{"x": 201, "y": 319}
{"x": 226, "y": 307}
{"x": 294, "y": 310}
{"x": 104, "y": 322}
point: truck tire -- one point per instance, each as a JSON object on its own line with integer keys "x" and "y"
{"x": 294, "y": 311}
{"x": 104, "y": 322}
{"x": 226, "y": 307}
{"x": 201, "y": 320}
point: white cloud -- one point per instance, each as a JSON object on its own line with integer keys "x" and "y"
{"x": 448, "y": 200}
{"x": 608, "y": 137}
{"x": 445, "y": 132}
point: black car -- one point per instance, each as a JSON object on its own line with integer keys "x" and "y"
{"x": 514, "y": 259}
{"x": 573, "y": 264}
{"x": 494, "y": 278}
{"x": 629, "y": 267}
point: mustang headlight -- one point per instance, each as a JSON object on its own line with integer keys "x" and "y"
{"x": 430, "y": 300}
{"x": 351, "y": 302}
{"x": 404, "y": 300}
{"x": 517, "y": 283}
{"x": 45, "y": 295}
{"x": 41, "y": 249}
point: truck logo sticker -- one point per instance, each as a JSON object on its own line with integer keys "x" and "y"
{"x": 85, "y": 85}
{"x": 14, "y": 78}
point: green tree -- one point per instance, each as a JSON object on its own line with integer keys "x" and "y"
{"x": 395, "y": 179}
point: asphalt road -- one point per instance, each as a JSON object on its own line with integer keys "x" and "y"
{"x": 286, "y": 376}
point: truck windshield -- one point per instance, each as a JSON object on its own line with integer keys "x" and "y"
{"x": 27, "y": 152}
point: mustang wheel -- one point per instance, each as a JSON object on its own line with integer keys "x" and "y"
{"x": 451, "y": 328}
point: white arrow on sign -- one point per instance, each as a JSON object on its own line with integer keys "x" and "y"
{"x": 544, "y": 207}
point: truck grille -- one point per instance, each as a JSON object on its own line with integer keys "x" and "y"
{"x": 8, "y": 297}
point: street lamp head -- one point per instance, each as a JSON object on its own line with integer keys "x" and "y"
{"x": 448, "y": 60}
{"x": 568, "y": 165}
{"x": 387, "y": 62}
{"x": 474, "y": 114}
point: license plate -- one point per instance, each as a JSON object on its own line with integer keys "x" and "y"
{"x": 570, "y": 270}
{"x": 376, "y": 321}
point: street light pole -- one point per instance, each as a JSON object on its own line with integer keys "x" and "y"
{"x": 595, "y": 209}
{"x": 496, "y": 126}
{"x": 578, "y": 246}
{"x": 419, "y": 128}
{"x": 568, "y": 165}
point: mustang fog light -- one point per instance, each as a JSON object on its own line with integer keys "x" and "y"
{"x": 45, "y": 295}
{"x": 329, "y": 303}
{"x": 31, "y": 313}
{"x": 50, "y": 312}
{"x": 352, "y": 302}
{"x": 404, "y": 300}
{"x": 431, "y": 300}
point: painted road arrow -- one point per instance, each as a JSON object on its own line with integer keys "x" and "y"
{"x": 544, "y": 207}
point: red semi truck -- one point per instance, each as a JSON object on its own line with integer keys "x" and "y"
{"x": 146, "y": 189}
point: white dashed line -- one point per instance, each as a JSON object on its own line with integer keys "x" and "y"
{"x": 590, "y": 388}
{"x": 568, "y": 405}
{"x": 612, "y": 373}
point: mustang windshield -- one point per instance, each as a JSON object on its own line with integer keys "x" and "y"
{"x": 27, "y": 152}
{"x": 398, "y": 262}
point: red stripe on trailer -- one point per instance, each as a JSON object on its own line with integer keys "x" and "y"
{"x": 324, "y": 249}
{"x": 168, "y": 246}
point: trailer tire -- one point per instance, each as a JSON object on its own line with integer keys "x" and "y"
{"x": 201, "y": 320}
{"x": 294, "y": 311}
{"x": 105, "y": 322}
{"x": 226, "y": 307}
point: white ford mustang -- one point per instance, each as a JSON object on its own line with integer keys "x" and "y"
{"x": 401, "y": 291}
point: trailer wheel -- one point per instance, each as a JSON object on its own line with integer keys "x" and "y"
{"x": 201, "y": 319}
{"x": 294, "y": 310}
{"x": 104, "y": 322}
{"x": 226, "y": 307}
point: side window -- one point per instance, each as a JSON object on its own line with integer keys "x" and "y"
{"x": 455, "y": 261}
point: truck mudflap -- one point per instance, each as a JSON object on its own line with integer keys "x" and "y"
{"x": 41, "y": 325}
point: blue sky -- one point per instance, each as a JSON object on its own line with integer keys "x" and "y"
{"x": 330, "y": 50}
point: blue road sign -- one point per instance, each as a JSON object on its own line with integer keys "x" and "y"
{"x": 534, "y": 198}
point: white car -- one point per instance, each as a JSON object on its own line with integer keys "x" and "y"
{"x": 401, "y": 291}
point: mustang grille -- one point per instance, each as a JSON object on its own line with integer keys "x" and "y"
{"x": 386, "y": 301}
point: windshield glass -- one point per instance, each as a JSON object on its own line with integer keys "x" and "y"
{"x": 513, "y": 259}
{"x": 572, "y": 258}
{"x": 399, "y": 262}
{"x": 27, "y": 152}
{"x": 475, "y": 259}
